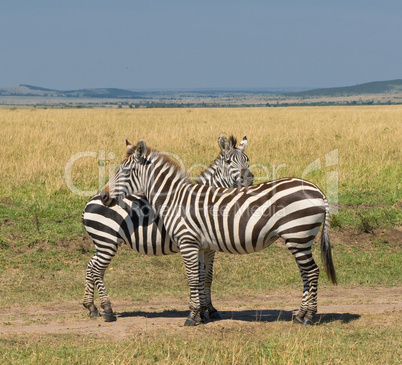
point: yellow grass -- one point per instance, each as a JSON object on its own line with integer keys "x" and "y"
{"x": 37, "y": 144}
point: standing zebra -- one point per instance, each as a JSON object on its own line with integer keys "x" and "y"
{"x": 200, "y": 218}
{"x": 134, "y": 222}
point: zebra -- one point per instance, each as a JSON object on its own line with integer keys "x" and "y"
{"x": 200, "y": 218}
{"x": 135, "y": 223}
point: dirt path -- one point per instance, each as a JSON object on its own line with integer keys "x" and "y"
{"x": 339, "y": 304}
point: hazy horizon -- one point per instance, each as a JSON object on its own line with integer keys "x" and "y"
{"x": 170, "y": 89}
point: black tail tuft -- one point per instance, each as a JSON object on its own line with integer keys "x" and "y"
{"x": 326, "y": 253}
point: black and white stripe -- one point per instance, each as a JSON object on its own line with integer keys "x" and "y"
{"x": 201, "y": 218}
{"x": 134, "y": 222}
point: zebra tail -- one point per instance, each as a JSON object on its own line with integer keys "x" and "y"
{"x": 326, "y": 253}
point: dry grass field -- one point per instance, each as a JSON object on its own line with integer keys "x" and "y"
{"x": 51, "y": 156}
{"x": 36, "y": 144}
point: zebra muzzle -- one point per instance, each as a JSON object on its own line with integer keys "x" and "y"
{"x": 246, "y": 178}
{"x": 106, "y": 199}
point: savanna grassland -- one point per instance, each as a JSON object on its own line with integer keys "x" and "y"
{"x": 52, "y": 160}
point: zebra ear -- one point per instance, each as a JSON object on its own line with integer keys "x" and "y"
{"x": 223, "y": 143}
{"x": 128, "y": 144}
{"x": 243, "y": 144}
{"x": 140, "y": 150}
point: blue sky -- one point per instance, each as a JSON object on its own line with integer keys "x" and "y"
{"x": 175, "y": 44}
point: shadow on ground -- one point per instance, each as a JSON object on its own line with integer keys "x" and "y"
{"x": 271, "y": 315}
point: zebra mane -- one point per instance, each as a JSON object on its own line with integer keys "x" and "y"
{"x": 152, "y": 154}
{"x": 232, "y": 141}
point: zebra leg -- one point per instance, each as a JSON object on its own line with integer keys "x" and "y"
{"x": 101, "y": 261}
{"x": 310, "y": 297}
{"x": 194, "y": 262}
{"x": 209, "y": 256}
{"x": 89, "y": 290}
{"x": 309, "y": 273}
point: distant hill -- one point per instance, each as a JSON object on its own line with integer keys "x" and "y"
{"x": 371, "y": 93}
{"x": 29, "y": 90}
{"x": 376, "y": 87}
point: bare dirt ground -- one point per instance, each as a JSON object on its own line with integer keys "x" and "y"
{"x": 338, "y": 304}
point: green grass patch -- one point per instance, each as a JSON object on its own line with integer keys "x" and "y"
{"x": 27, "y": 220}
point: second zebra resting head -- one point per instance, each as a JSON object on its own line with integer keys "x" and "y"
{"x": 230, "y": 169}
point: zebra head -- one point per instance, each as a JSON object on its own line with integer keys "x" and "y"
{"x": 232, "y": 163}
{"x": 126, "y": 178}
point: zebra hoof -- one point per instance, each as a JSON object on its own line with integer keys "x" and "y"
{"x": 307, "y": 322}
{"x": 195, "y": 318}
{"x": 94, "y": 314}
{"x": 191, "y": 323}
{"x": 93, "y": 311}
{"x": 214, "y": 315}
{"x": 298, "y": 319}
{"x": 109, "y": 317}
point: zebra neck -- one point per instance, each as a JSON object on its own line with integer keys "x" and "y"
{"x": 210, "y": 176}
{"x": 163, "y": 186}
